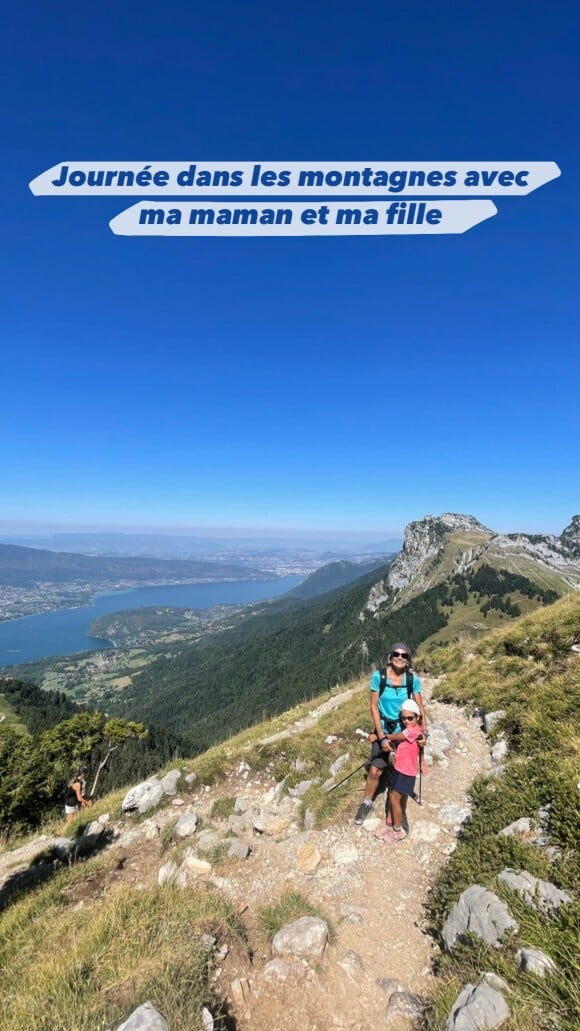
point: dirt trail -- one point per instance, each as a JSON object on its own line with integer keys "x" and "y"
{"x": 387, "y": 884}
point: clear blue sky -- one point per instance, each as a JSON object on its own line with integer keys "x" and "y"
{"x": 354, "y": 383}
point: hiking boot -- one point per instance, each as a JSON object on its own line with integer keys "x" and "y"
{"x": 362, "y": 812}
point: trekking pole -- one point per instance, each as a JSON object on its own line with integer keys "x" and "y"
{"x": 416, "y": 798}
{"x": 344, "y": 779}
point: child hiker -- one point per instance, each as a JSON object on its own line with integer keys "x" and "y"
{"x": 403, "y": 773}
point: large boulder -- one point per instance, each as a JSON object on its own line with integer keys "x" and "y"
{"x": 169, "y": 782}
{"x": 143, "y": 797}
{"x": 478, "y": 911}
{"x": 477, "y": 1009}
{"x": 305, "y": 938}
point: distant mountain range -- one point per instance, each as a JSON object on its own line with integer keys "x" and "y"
{"x": 21, "y": 567}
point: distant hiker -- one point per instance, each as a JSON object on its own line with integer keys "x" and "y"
{"x": 390, "y": 685}
{"x": 402, "y": 774}
{"x": 74, "y": 796}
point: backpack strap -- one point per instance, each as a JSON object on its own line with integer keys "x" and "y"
{"x": 409, "y": 681}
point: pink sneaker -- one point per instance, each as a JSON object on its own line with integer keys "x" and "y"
{"x": 383, "y": 829}
{"x": 397, "y": 836}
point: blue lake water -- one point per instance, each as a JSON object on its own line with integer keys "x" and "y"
{"x": 65, "y": 632}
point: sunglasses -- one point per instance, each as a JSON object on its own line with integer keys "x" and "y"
{"x": 399, "y": 655}
{"x": 405, "y": 719}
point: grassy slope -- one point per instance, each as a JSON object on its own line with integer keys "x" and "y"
{"x": 529, "y": 670}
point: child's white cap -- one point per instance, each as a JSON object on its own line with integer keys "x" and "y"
{"x": 410, "y": 706}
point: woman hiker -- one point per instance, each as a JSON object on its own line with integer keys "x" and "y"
{"x": 74, "y": 796}
{"x": 389, "y": 688}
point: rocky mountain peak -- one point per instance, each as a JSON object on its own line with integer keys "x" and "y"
{"x": 572, "y": 531}
{"x": 423, "y": 540}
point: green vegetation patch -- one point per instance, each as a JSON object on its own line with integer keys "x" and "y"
{"x": 289, "y": 907}
{"x": 529, "y": 670}
{"x": 90, "y": 967}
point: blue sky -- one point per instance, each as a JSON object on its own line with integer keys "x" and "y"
{"x": 350, "y": 383}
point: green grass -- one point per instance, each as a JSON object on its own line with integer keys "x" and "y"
{"x": 223, "y": 807}
{"x": 87, "y": 968}
{"x": 529, "y": 670}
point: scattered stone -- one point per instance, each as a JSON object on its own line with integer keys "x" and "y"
{"x": 491, "y": 719}
{"x": 207, "y": 1022}
{"x": 198, "y": 867}
{"x": 300, "y": 765}
{"x": 169, "y": 782}
{"x": 277, "y": 827}
{"x": 95, "y": 829}
{"x": 520, "y": 827}
{"x": 166, "y": 873}
{"x": 330, "y": 739}
{"x": 407, "y": 1006}
{"x": 300, "y": 790}
{"x": 239, "y": 850}
{"x": 480, "y": 912}
{"x": 328, "y": 784}
{"x": 389, "y": 985}
{"x": 499, "y": 751}
{"x": 241, "y": 805}
{"x": 454, "y": 814}
{"x": 534, "y": 961}
{"x": 274, "y": 793}
{"x": 263, "y": 821}
{"x": 208, "y": 940}
{"x": 339, "y": 763}
{"x": 143, "y": 797}
{"x": 276, "y": 970}
{"x": 150, "y": 829}
{"x": 343, "y": 855}
{"x": 242, "y": 826}
{"x": 207, "y": 840}
{"x": 190, "y": 778}
{"x": 476, "y": 1009}
{"x": 177, "y": 801}
{"x": 145, "y": 1018}
{"x": 494, "y": 981}
{"x": 542, "y": 895}
{"x": 104, "y": 818}
{"x": 308, "y": 858}
{"x": 371, "y": 823}
{"x": 186, "y": 825}
{"x": 351, "y": 963}
{"x": 240, "y": 989}
{"x": 305, "y": 938}
{"x": 350, "y": 914}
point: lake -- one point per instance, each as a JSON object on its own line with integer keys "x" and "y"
{"x": 65, "y": 632}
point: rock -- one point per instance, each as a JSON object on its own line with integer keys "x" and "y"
{"x": 198, "y": 867}
{"x": 190, "y": 778}
{"x": 242, "y": 826}
{"x": 520, "y": 827}
{"x": 166, "y": 873}
{"x": 239, "y": 850}
{"x": 330, "y": 739}
{"x": 278, "y": 826}
{"x": 308, "y": 858}
{"x": 424, "y": 830}
{"x": 309, "y": 820}
{"x": 454, "y": 815}
{"x": 207, "y": 841}
{"x": 542, "y": 895}
{"x": 350, "y": 914}
{"x": 186, "y": 825}
{"x": 300, "y": 765}
{"x": 498, "y": 771}
{"x": 305, "y": 938}
{"x": 104, "y": 818}
{"x": 491, "y": 719}
{"x": 499, "y": 751}
{"x": 351, "y": 963}
{"x": 240, "y": 989}
{"x": 274, "y": 793}
{"x": 493, "y": 981}
{"x": 169, "y": 782}
{"x": 177, "y": 801}
{"x": 145, "y": 1018}
{"x": 276, "y": 970}
{"x": 534, "y": 961}
{"x": 343, "y": 855}
{"x": 207, "y": 1022}
{"x": 476, "y": 1009}
{"x": 143, "y": 797}
{"x": 480, "y": 912}
{"x": 407, "y": 1006}
{"x": 95, "y": 829}
{"x": 389, "y": 985}
{"x": 150, "y": 829}
{"x": 241, "y": 804}
{"x": 339, "y": 763}
{"x": 328, "y": 784}
{"x": 300, "y": 790}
